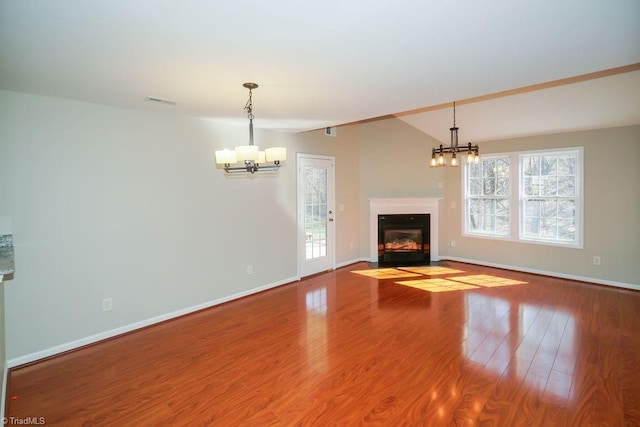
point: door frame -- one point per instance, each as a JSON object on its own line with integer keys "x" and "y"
{"x": 331, "y": 203}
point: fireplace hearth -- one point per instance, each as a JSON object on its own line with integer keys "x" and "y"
{"x": 404, "y": 240}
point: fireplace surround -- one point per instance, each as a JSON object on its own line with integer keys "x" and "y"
{"x": 403, "y": 206}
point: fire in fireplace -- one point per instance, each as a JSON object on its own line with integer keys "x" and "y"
{"x": 403, "y": 240}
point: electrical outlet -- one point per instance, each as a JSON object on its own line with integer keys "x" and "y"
{"x": 249, "y": 270}
{"x": 440, "y": 185}
{"x": 107, "y": 304}
{"x": 351, "y": 246}
{"x": 596, "y": 260}
{"x": 453, "y": 243}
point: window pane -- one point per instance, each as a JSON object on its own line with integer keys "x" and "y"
{"x": 566, "y": 165}
{"x": 502, "y": 187}
{"x": 566, "y": 186}
{"x": 566, "y": 209}
{"x": 489, "y": 168}
{"x": 548, "y": 186}
{"x": 487, "y": 223}
{"x": 502, "y": 225}
{"x": 532, "y": 208}
{"x": 488, "y": 207}
{"x": 531, "y": 186}
{"x": 489, "y": 186}
{"x": 566, "y": 230}
{"x": 548, "y": 166}
{"x": 475, "y": 186}
{"x": 549, "y": 209}
{"x": 502, "y": 207}
{"x": 502, "y": 166}
{"x": 531, "y": 166}
{"x": 531, "y": 226}
{"x": 315, "y": 221}
{"x": 547, "y": 227}
{"x": 475, "y": 170}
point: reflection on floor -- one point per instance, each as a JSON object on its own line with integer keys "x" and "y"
{"x": 451, "y": 283}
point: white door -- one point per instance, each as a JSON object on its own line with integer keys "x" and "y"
{"x": 316, "y": 207}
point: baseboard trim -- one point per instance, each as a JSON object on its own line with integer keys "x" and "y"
{"x": 546, "y": 273}
{"x": 352, "y": 261}
{"x": 93, "y": 339}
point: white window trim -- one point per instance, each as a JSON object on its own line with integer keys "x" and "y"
{"x": 516, "y": 202}
{"x": 465, "y": 202}
{"x": 578, "y": 243}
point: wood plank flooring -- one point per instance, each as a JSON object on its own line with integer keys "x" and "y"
{"x": 451, "y": 345}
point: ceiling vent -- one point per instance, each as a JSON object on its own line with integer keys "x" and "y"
{"x": 160, "y": 100}
{"x": 330, "y": 131}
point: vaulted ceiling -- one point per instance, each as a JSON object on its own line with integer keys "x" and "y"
{"x": 515, "y": 67}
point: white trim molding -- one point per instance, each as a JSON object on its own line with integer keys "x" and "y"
{"x": 429, "y": 206}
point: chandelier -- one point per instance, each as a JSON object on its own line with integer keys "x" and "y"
{"x": 253, "y": 159}
{"x": 437, "y": 154}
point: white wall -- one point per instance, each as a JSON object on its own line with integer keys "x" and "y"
{"x": 106, "y": 202}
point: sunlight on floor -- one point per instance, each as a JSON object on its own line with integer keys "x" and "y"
{"x": 487, "y": 281}
{"x": 431, "y": 271}
{"x": 436, "y": 285}
{"x": 401, "y": 272}
{"x": 454, "y": 283}
{"x": 457, "y": 283}
{"x": 386, "y": 273}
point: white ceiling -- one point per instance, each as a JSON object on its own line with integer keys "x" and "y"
{"x": 331, "y": 62}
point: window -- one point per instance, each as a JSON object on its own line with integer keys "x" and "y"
{"x": 549, "y": 196}
{"x": 488, "y": 189}
{"x": 526, "y": 196}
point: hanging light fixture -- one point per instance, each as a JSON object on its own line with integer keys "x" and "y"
{"x": 438, "y": 154}
{"x": 254, "y": 160}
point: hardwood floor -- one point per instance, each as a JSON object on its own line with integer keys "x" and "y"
{"x": 458, "y": 345}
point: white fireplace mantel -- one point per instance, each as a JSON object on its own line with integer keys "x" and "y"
{"x": 403, "y": 206}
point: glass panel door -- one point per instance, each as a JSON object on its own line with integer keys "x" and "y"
{"x": 315, "y": 214}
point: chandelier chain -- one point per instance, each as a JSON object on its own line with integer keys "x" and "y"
{"x": 249, "y": 106}
{"x": 454, "y": 113}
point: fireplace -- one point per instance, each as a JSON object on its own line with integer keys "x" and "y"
{"x": 404, "y": 239}
{"x": 391, "y": 206}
